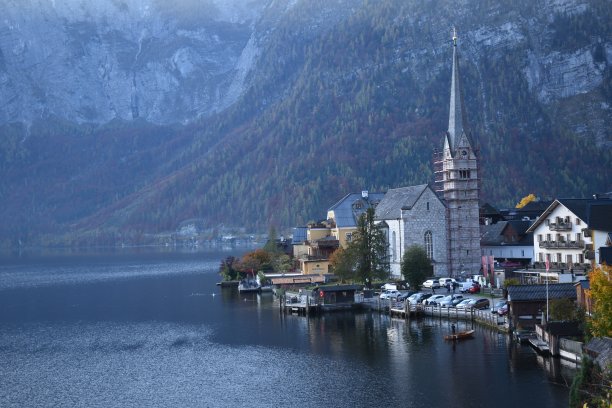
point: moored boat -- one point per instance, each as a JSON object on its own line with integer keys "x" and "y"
{"x": 249, "y": 285}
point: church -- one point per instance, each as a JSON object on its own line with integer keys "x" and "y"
{"x": 443, "y": 218}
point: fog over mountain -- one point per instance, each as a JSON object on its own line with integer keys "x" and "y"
{"x": 136, "y": 115}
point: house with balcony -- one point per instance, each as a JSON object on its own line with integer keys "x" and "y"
{"x": 320, "y": 239}
{"x": 559, "y": 236}
{"x": 343, "y": 216}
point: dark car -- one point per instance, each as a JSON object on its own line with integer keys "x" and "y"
{"x": 480, "y": 303}
{"x": 405, "y": 295}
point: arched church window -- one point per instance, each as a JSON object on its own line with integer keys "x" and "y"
{"x": 429, "y": 244}
{"x": 393, "y": 247}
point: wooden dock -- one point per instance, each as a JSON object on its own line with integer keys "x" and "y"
{"x": 304, "y": 305}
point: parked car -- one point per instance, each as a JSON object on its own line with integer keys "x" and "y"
{"x": 445, "y": 281}
{"x": 451, "y": 300}
{"x": 433, "y": 299}
{"x": 431, "y": 283}
{"x": 390, "y": 294}
{"x": 497, "y": 305}
{"x": 405, "y": 295}
{"x": 466, "y": 286}
{"x": 474, "y": 303}
{"x": 475, "y": 288}
{"x": 418, "y": 298}
{"x": 463, "y": 303}
{"x": 503, "y": 310}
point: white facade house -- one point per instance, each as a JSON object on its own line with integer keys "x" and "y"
{"x": 559, "y": 235}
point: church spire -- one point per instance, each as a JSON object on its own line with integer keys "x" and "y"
{"x": 456, "y": 117}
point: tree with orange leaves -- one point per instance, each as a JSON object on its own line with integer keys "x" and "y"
{"x": 600, "y": 282}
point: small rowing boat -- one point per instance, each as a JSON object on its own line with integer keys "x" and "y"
{"x": 460, "y": 335}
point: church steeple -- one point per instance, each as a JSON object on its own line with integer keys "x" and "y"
{"x": 456, "y": 118}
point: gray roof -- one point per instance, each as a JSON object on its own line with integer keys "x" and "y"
{"x": 526, "y": 293}
{"x": 492, "y": 234}
{"x": 390, "y": 207}
{"x": 339, "y": 288}
{"x": 600, "y": 215}
{"x": 348, "y": 210}
{"x": 581, "y": 207}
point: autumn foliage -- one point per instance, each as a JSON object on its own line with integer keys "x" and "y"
{"x": 600, "y": 280}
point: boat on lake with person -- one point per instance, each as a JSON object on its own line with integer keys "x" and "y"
{"x": 462, "y": 335}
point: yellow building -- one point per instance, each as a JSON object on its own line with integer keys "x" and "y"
{"x": 343, "y": 215}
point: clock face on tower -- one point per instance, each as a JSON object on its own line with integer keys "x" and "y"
{"x": 464, "y": 153}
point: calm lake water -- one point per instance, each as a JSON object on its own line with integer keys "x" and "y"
{"x": 152, "y": 329}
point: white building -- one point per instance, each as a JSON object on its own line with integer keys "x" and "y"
{"x": 559, "y": 235}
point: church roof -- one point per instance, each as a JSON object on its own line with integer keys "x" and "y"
{"x": 396, "y": 199}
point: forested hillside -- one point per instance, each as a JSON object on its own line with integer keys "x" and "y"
{"x": 344, "y": 96}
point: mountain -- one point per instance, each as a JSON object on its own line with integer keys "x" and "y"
{"x": 125, "y": 118}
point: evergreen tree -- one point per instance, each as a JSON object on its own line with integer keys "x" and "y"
{"x": 369, "y": 250}
{"x": 416, "y": 267}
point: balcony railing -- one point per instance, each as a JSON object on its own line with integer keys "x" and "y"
{"x": 562, "y": 244}
{"x": 560, "y": 226}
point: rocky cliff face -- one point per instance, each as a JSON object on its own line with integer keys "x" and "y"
{"x": 280, "y": 106}
{"x": 168, "y": 62}
{"x": 93, "y": 61}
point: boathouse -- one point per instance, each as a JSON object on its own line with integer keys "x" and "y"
{"x": 528, "y": 302}
{"x": 336, "y": 295}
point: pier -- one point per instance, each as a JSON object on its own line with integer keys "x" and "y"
{"x": 305, "y": 305}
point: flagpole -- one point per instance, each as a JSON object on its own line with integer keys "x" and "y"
{"x": 547, "y": 268}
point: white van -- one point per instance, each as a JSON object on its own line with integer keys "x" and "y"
{"x": 389, "y": 286}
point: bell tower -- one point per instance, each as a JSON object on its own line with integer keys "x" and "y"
{"x": 457, "y": 180}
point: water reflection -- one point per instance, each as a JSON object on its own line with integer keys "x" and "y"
{"x": 150, "y": 330}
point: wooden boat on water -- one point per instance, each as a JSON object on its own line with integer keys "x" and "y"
{"x": 468, "y": 334}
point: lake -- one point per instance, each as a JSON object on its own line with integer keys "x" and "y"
{"x": 150, "y": 328}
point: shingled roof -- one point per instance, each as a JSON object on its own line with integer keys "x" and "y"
{"x": 348, "y": 210}
{"x": 390, "y": 207}
{"x": 529, "y": 293}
